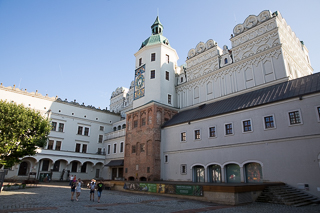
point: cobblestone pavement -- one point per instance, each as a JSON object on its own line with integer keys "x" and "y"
{"x": 56, "y": 197}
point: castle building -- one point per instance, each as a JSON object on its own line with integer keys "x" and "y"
{"x": 245, "y": 114}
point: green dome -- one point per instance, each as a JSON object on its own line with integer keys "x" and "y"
{"x": 156, "y": 36}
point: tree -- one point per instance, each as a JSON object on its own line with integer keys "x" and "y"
{"x": 22, "y": 131}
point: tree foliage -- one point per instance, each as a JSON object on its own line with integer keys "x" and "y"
{"x": 22, "y": 131}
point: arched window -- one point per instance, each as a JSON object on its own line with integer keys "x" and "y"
{"x": 253, "y": 172}
{"x": 119, "y": 127}
{"x": 233, "y": 173}
{"x": 114, "y": 128}
{"x": 214, "y": 174}
{"x": 123, "y": 126}
{"x": 198, "y": 174}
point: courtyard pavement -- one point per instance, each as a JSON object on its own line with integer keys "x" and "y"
{"x": 56, "y": 197}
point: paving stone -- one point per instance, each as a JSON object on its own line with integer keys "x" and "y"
{"x": 56, "y": 198}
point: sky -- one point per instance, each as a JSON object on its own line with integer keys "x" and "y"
{"x": 83, "y": 50}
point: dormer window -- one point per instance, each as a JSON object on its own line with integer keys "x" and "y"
{"x": 140, "y": 61}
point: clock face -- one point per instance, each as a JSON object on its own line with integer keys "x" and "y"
{"x": 139, "y": 86}
{"x": 140, "y": 81}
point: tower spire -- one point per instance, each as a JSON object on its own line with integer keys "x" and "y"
{"x": 157, "y": 27}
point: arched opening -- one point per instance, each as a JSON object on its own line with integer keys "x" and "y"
{"x": 198, "y": 174}
{"x": 23, "y": 168}
{"x": 143, "y": 179}
{"x": 119, "y": 127}
{"x": 214, "y": 172}
{"x": 131, "y": 178}
{"x": 253, "y": 173}
{"x": 123, "y": 126}
{"x": 233, "y": 173}
{"x": 114, "y": 128}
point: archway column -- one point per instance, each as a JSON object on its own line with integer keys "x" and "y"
{"x": 223, "y": 174}
{"x": 242, "y": 174}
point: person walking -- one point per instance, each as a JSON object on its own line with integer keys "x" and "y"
{"x": 92, "y": 186}
{"x": 70, "y": 180}
{"x": 78, "y": 188}
{"x": 100, "y": 187}
{"x": 73, "y": 189}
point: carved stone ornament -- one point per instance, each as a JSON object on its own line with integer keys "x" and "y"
{"x": 238, "y": 29}
{"x": 200, "y": 47}
{"x": 191, "y": 53}
{"x": 210, "y": 43}
{"x": 250, "y": 22}
{"x": 264, "y": 15}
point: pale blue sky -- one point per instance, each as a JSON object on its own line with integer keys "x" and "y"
{"x": 84, "y": 50}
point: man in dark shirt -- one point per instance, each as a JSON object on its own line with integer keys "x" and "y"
{"x": 99, "y": 189}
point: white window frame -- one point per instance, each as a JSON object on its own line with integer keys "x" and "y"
{"x": 181, "y": 136}
{"x": 99, "y": 139}
{"x": 225, "y": 130}
{"x": 170, "y": 99}
{"x": 83, "y": 129}
{"x": 58, "y": 124}
{"x": 242, "y": 126}
{"x": 194, "y": 134}
{"x": 108, "y": 149}
{"x": 101, "y": 128}
{"x": 120, "y": 147}
{"x": 166, "y": 159}
{"x": 264, "y": 122}
{"x": 183, "y": 173}
{"x": 300, "y": 115}
{"x": 114, "y": 150}
{"x": 215, "y": 128}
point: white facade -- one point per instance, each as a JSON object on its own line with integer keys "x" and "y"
{"x": 75, "y": 143}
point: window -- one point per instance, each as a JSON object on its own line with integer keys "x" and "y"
{"x": 50, "y": 144}
{"x": 140, "y": 61}
{"x": 167, "y": 59}
{"x": 183, "y": 169}
{"x": 268, "y": 122}
{"x": 80, "y": 128}
{"x": 294, "y": 117}
{"x": 86, "y": 131}
{"x": 183, "y": 136}
{"x": 115, "y": 148}
{"x": 74, "y": 166}
{"x": 166, "y": 159}
{"x": 152, "y": 74}
{"x": 247, "y": 126}
{"x": 123, "y": 126}
{"x": 58, "y": 145}
{"x": 84, "y": 167}
{"x": 77, "y": 147}
{"x": 197, "y": 134}
{"x": 100, "y": 138}
{"x": 229, "y": 129}
{"x": 143, "y": 121}
{"x": 167, "y": 75}
{"x": 54, "y": 126}
{"x": 99, "y": 151}
{"x": 108, "y": 151}
{"x": 153, "y": 56}
{"x": 212, "y": 132}
{"x": 61, "y": 126}
{"x": 115, "y": 128}
{"x": 121, "y": 147}
{"x": 225, "y": 61}
{"x": 119, "y": 127}
{"x": 148, "y": 169}
{"x": 84, "y": 148}
{"x": 169, "y": 99}
{"x": 101, "y": 128}
{"x": 181, "y": 79}
{"x": 133, "y": 149}
{"x": 135, "y": 124}
{"x": 142, "y": 147}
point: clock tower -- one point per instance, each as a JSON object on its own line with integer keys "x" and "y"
{"x": 153, "y": 104}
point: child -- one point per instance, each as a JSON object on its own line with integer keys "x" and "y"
{"x": 92, "y": 186}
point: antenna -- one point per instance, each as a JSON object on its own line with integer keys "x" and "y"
{"x": 157, "y": 11}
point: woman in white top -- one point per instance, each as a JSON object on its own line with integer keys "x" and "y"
{"x": 78, "y": 188}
